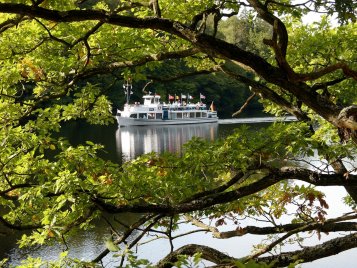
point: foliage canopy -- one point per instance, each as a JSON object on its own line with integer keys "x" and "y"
{"x": 57, "y": 55}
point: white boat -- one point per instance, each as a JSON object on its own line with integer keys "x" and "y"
{"x": 154, "y": 112}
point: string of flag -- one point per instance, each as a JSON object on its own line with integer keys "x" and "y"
{"x": 183, "y": 96}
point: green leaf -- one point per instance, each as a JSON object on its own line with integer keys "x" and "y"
{"x": 111, "y": 246}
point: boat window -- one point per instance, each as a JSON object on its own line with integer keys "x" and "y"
{"x": 134, "y": 116}
{"x": 192, "y": 115}
{"x": 179, "y": 115}
{"x": 198, "y": 114}
{"x": 204, "y": 114}
{"x": 151, "y": 115}
{"x": 142, "y": 115}
{"x": 159, "y": 116}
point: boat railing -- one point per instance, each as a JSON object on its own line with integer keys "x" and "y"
{"x": 168, "y": 107}
{"x": 130, "y": 105}
{"x": 185, "y": 108}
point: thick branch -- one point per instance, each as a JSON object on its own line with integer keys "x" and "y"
{"x": 17, "y": 186}
{"x": 295, "y": 231}
{"x": 11, "y": 23}
{"x": 208, "y": 253}
{"x": 348, "y": 117}
{"x": 318, "y": 86}
{"x": 326, "y": 228}
{"x": 348, "y": 72}
{"x": 330, "y": 225}
{"x": 272, "y": 20}
{"x": 235, "y": 180}
{"x": 87, "y": 15}
{"x": 18, "y": 227}
{"x": 308, "y": 254}
{"x": 229, "y": 196}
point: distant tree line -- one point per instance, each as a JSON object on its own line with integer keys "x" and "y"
{"x": 176, "y": 77}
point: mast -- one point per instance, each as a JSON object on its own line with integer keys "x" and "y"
{"x": 128, "y": 86}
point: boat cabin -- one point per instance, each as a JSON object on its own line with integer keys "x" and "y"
{"x": 151, "y": 99}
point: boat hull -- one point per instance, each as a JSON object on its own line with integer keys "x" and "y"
{"x": 124, "y": 121}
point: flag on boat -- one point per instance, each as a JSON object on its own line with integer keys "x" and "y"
{"x": 177, "y": 97}
{"x": 171, "y": 97}
{"x": 190, "y": 97}
{"x": 202, "y": 96}
{"x": 183, "y": 96}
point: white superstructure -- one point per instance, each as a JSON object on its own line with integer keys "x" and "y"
{"x": 153, "y": 112}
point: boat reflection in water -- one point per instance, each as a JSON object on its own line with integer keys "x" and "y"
{"x": 133, "y": 141}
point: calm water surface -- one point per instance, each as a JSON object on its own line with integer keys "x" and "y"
{"x": 126, "y": 143}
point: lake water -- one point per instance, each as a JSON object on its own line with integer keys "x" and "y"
{"x": 124, "y": 144}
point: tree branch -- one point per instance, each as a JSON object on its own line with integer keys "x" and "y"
{"x": 276, "y": 175}
{"x": 265, "y": 92}
{"x": 52, "y": 36}
{"x": 11, "y": 23}
{"x": 87, "y": 34}
{"x": 125, "y": 235}
{"x": 18, "y": 227}
{"x": 348, "y": 72}
{"x": 327, "y": 227}
{"x": 244, "y": 105}
{"x": 139, "y": 62}
{"x": 318, "y": 86}
{"x": 211, "y": 10}
{"x": 279, "y": 27}
{"x": 236, "y": 179}
{"x": 17, "y": 186}
{"x": 303, "y": 228}
{"x": 309, "y": 254}
{"x": 207, "y": 253}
